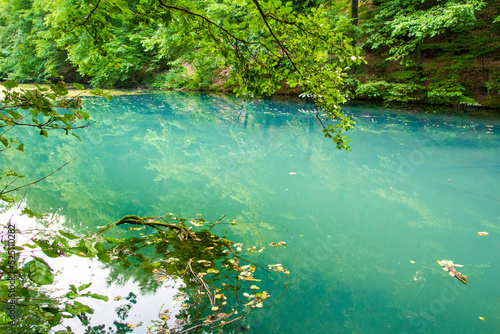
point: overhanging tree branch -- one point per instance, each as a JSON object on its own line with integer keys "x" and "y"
{"x": 204, "y": 18}
{"x": 259, "y": 8}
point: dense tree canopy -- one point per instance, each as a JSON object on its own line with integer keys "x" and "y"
{"x": 264, "y": 44}
{"x": 228, "y": 44}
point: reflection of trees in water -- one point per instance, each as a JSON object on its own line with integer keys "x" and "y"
{"x": 220, "y": 283}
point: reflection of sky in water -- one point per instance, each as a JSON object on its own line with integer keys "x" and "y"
{"x": 77, "y": 271}
{"x": 415, "y": 187}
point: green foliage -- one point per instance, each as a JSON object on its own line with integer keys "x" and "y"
{"x": 386, "y": 91}
{"x": 39, "y": 109}
{"x": 188, "y": 44}
{"x": 36, "y": 310}
{"x": 42, "y": 109}
{"x": 448, "y": 92}
{"x": 194, "y": 72}
{"x": 25, "y": 56}
{"x": 39, "y": 271}
{"x": 402, "y": 25}
{"x": 421, "y": 49}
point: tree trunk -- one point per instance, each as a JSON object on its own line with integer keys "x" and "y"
{"x": 418, "y": 52}
{"x": 354, "y": 12}
{"x": 354, "y": 19}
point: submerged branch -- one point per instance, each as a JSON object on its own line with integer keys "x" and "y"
{"x": 149, "y": 221}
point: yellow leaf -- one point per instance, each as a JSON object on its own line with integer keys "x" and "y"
{"x": 482, "y": 319}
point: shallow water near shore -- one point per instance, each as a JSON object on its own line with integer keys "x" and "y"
{"x": 364, "y": 228}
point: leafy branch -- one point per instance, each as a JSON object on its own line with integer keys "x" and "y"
{"x": 209, "y": 265}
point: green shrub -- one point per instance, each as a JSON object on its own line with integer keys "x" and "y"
{"x": 448, "y": 92}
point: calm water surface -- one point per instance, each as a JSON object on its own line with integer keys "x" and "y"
{"x": 364, "y": 228}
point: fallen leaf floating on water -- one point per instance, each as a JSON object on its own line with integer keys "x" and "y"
{"x": 292, "y": 173}
{"x": 448, "y": 266}
{"x": 281, "y": 243}
{"x": 278, "y": 267}
{"x": 482, "y": 319}
{"x": 482, "y": 233}
{"x": 411, "y": 261}
{"x": 203, "y": 261}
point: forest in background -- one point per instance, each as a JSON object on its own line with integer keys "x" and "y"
{"x": 436, "y": 51}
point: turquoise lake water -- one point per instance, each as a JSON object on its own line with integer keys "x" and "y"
{"x": 365, "y": 228}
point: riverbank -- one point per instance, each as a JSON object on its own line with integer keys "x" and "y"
{"x": 286, "y": 93}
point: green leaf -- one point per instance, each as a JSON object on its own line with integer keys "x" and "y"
{"x": 50, "y": 252}
{"x": 26, "y": 211}
{"x": 4, "y": 141}
{"x": 72, "y": 309}
{"x": 4, "y": 289}
{"x": 56, "y": 319}
{"x": 78, "y": 251}
{"x": 68, "y": 235}
{"x": 113, "y": 240}
{"x": 78, "y": 86}
{"x": 96, "y": 296}
{"x": 21, "y": 148}
{"x": 9, "y": 84}
{"x": 44, "y": 133}
{"x": 51, "y": 96}
{"x": 39, "y": 271}
{"x": 85, "y": 115}
{"x": 107, "y": 96}
{"x": 14, "y": 114}
{"x": 104, "y": 257}
{"x": 84, "y": 286}
{"x": 4, "y": 318}
{"x": 72, "y": 295}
